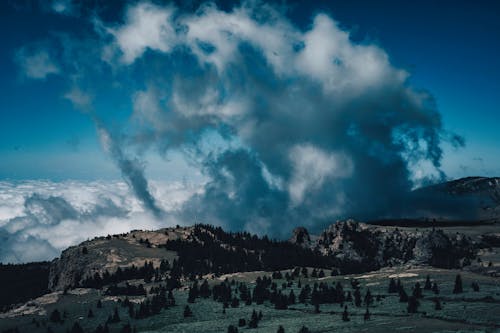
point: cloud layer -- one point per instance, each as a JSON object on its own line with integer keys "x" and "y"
{"x": 38, "y": 219}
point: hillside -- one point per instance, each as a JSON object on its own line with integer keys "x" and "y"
{"x": 145, "y": 279}
{"x": 479, "y": 195}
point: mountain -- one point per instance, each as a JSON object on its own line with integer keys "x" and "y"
{"x": 485, "y": 191}
{"x": 203, "y": 279}
{"x": 347, "y": 246}
{"x": 465, "y": 201}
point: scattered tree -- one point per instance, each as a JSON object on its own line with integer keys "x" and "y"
{"x": 76, "y": 328}
{"x": 187, "y": 311}
{"x": 428, "y": 284}
{"x": 413, "y": 304}
{"x": 367, "y": 314}
{"x": 457, "y": 289}
{"x": 55, "y": 316}
{"x": 345, "y": 314}
{"x": 232, "y": 329}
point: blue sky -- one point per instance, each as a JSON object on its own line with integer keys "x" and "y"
{"x": 449, "y": 48}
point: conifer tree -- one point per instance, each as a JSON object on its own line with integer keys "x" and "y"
{"x": 187, "y": 311}
{"x": 457, "y": 289}
{"x": 345, "y": 314}
{"x": 428, "y": 284}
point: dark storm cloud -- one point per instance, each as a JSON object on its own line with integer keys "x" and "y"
{"x": 290, "y": 126}
{"x": 311, "y": 126}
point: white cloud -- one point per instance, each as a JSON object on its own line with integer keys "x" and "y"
{"x": 62, "y": 6}
{"x": 79, "y": 98}
{"x": 312, "y": 167}
{"x": 36, "y": 64}
{"x": 40, "y": 218}
{"x": 148, "y": 27}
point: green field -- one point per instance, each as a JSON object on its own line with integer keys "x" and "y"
{"x": 469, "y": 311}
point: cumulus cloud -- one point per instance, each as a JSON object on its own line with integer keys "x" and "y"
{"x": 38, "y": 219}
{"x": 148, "y": 27}
{"x": 312, "y": 167}
{"x": 314, "y": 126}
{"x": 289, "y": 126}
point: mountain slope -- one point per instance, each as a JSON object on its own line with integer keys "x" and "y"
{"x": 347, "y": 246}
{"x": 476, "y": 198}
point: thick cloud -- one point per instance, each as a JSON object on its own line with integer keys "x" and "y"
{"x": 290, "y": 126}
{"x": 38, "y": 219}
{"x": 313, "y": 126}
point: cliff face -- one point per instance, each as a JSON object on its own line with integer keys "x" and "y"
{"x": 108, "y": 253}
{"x": 359, "y": 243}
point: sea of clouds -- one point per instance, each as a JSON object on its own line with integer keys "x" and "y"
{"x": 38, "y": 218}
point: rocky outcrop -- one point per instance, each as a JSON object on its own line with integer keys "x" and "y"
{"x": 106, "y": 254}
{"x": 349, "y": 245}
{"x": 300, "y": 236}
{"x": 372, "y": 247}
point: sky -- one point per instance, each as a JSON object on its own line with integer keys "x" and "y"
{"x": 250, "y": 115}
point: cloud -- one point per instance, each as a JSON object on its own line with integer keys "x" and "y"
{"x": 36, "y": 64}
{"x": 38, "y": 219}
{"x": 312, "y": 125}
{"x": 289, "y": 126}
{"x": 312, "y": 167}
{"x": 148, "y": 27}
{"x": 79, "y": 98}
{"x": 65, "y": 7}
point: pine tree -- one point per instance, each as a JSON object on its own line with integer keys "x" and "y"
{"x": 345, "y": 314}
{"x": 304, "y": 329}
{"x": 90, "y": 314}
{"x": 357, "y": 297}
{"x": 76, "y": 328}
{"x": 291, "y": 297}
{"x": 55, "y": 316}
{"x": 235, "y": 302}
{"x": 437, "y": 304}
{"x": 187, "y": 311}
{"x": 99, "y": 304}
{"x": 403, "y": 296}
{"x": 280, "y": 329}
{"x": 254, "y": 320}
{"x": 435, "y": 288}
{"x": 232, "y": 329}
{"x": 116, "y": 316}
{"x": 428, "y": 284}
{"x": 457, "y": 289}
{"x": 413, "y": 304}
{"x": 368, "y": 298}
{"x": 392, "y": 286}
{"x": 417, "y": 290}
{"x": 367, "y": 314}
